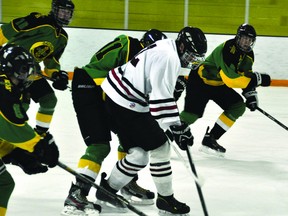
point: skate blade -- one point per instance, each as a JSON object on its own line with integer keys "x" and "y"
{"x": 138, "y": 201}
{"x": 166, "y": 213}
{"x": 109, "y": 208}
{"x": 72, "y": 211}
{"x": 212, "y": 152}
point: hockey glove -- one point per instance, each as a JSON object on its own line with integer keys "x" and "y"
{"x": 251, "y": 99}
{"x": 180, "y": 87}
{"x": 47, "y": 151}
{"x": 182, "y": 135}
{"x": 41, "y": 130}
{"x": 25, "y": 160}
{"x": 60, "y": 80}
{"x": 259, "y": 79}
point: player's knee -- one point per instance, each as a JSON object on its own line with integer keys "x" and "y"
{"x": 48, "y": 101}
{"x": 97, "y": 152}
{"x": 7, "y": 185}
{"x": 188, "y": 117}
{"x": 11, "y": 186}
{"x": 161, "y": 154}
{"x": 236, "y": 110}
{"x": 138, "y": 156}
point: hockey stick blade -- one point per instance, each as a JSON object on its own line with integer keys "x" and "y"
{"x": 98, "y": 187}
{"x": 272, "y": 118}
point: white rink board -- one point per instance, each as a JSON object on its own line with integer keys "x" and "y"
{"x": 270, "y": 52}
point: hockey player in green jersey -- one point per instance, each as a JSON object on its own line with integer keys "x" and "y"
{"x": 44, "y": 37}
{"x": 88, "y": 103}
{"x": 19, "y": 143}
{"x": 229, "y": 66}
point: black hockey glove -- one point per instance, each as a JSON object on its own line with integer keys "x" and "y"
{"x": 182, "y": 135}
{"x": 25, "y": 160}
{"x": 180, "y": 87}
{"x": 41, "y": 130}
{"x": 258, "y": 79}
{"x": 47, "y": 151}
{"x": 60, "y": 80}
{"x": 251, "y": 99}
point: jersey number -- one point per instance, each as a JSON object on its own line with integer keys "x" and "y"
{"x": 134, "y": 61}
{"x": 107, "y": 48}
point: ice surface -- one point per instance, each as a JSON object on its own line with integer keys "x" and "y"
{"x": 252, "y": 180}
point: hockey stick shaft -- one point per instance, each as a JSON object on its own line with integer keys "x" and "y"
{"x": 197, "y": 185}
{"x": 98, "y": 187}
{"x": 272, "y": 118}
{"x": 196, "y": 179}
{"x": 46, "y": 77}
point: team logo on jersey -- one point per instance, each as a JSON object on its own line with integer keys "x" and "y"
{"x": 132, "y": 105}
{"x": 40, "y": 50}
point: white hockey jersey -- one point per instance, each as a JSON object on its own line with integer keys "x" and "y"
{"x": 147, "y": 82}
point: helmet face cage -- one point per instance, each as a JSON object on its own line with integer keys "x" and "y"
{"x": 62, "y": 11}
{"x": 195, "y": 61}
{"x": 192, "y": 47}
{"x": 151, "y": 36}
{"x": 27, "y": 73}
{"x": 246, "y": 37}
{"x": 16, "y": 62}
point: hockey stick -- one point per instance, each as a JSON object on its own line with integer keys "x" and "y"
{"x": 98, "y": 187}
{"x": 45, "y": 77}
{"x": 197, "y": 185}
{"x": 272, "y": 118}
{"x": 196, "y": 178}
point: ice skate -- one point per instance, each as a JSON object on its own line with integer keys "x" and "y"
{"x": 137, "y": 195}
{"x": 168, "y": 205}
{"x": 106, "y": 200}
{"x": 210, "y": 145}
{"x": 76, "y": 204}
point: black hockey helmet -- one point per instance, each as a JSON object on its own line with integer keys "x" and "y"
{"x": 151, "y": 36}
{"x": 62, "y": 11}
{"x": 245, "y": 37}
{"x": 16, "y": 62}
{"x": 191, "y": 46}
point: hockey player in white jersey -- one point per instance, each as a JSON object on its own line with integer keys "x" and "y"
{"x": 143, "y": 112}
